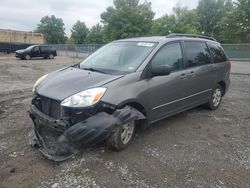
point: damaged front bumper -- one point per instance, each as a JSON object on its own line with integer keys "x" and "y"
{"x": 58, "y": 140}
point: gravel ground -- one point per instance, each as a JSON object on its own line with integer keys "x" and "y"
{"x": 197, "y": 148}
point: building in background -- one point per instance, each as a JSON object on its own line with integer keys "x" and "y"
{"x": 23, "y": 37}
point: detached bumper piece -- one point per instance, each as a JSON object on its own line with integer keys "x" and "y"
{"x": 59, "y": 142}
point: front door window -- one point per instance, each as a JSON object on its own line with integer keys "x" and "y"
{"x": 170, "y": 55}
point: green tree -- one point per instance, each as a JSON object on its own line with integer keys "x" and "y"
{"x": 79, "y": 32}
{"x": 164, "y": 25}
{"x": 53, "y": 29}
{"x": 235, "y": 27}
{"x": 182, "y": 21}
{"x": 96, "y": 34}
{"x": 211, "y": 12}
{"x": 127, "y": 18}
{"x": 70, "y": 40}
{"x": 187, "y": 21}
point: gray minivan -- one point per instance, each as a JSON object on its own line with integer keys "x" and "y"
{"x": 126, "y": 82}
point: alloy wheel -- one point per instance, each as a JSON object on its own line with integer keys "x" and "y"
{"x": 216, "y": 97}
{"x": 127, "y": 132}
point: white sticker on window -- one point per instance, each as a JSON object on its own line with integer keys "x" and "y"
{"x": 145, "y": 44}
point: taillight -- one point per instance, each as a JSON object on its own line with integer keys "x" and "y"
{"x": 229, "y": 63}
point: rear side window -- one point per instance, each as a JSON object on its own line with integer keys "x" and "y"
{"x": 197, "y": 53}
{"x": 217, "y": 52}
{"x": 44, "y": 48}
{"x": 170, "y": 55}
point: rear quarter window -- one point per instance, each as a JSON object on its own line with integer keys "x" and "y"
{"x": 43, "y": 48}
{"x": 196, "y": 53}
{"x": 46, "y": 48}
{"x": 217, "y": 52}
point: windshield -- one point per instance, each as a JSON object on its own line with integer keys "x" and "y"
{"x": 118, "y": 57}
{"x": 30, "y": 47}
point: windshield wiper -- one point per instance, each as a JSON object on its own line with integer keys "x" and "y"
{"x": 93, "y": 70}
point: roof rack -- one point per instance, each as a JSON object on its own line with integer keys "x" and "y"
{"x": 173, "y": 35}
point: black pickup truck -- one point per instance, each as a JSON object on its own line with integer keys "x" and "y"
{"x": 36, "y": 51}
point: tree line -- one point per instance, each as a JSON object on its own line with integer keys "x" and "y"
{"x": 226, "y": 20}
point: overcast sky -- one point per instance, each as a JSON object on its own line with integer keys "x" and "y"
{"x": 26, "y": 14}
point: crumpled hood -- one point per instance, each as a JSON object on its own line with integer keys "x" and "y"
{"x": 66, "y": 82}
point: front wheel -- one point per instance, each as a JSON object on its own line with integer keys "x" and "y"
{"x": 215, "y": 99}
{"x": 27, "y": 57}
{"x": 122, "y": 136}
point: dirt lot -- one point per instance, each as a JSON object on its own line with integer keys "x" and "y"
{"x": 198, "y": 148}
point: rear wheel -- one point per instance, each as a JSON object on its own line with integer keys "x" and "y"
{"x": 122, "y": 136}
{"x": 215, "y": 99}
{"x": 51, "y": 56}
{"x": 27, "y": 57}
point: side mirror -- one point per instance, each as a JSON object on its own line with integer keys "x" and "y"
{"x": 160, "y": 70}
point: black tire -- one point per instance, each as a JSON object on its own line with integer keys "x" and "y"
{"x": 116, "y": 141}
{"x": 215, "y": 98}
{"x": 27, "y": 57}
{"x": 51, "y": 56}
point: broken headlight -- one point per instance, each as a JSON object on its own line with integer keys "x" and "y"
{"x": 38, "y": 82}
{"x": 84, "y": 98}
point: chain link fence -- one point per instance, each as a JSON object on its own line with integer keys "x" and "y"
{"x": 233, "y": 51}
{"x": 237, "y": 51}
{"x": 76, "y": 51}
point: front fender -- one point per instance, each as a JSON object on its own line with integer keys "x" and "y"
{"x": 59, "y": 145}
